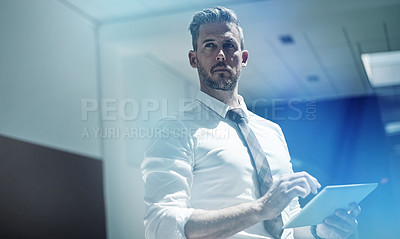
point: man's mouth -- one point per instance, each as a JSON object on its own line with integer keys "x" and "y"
{"x": 220, "y": 69}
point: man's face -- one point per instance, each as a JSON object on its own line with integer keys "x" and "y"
{"x": 219, "y": 58}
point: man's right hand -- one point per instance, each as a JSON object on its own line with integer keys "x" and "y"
{"x": 282, "y": 192}
{"x": 225, "y": 222}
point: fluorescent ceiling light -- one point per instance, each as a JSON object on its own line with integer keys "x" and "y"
{"x": 383, "y": 68}
{"x": 392, "y": 128}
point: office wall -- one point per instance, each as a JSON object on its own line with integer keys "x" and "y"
{"x": 47, "y": 66}
{"x": 51, "y": 176}
{"x": 138, "y": 87}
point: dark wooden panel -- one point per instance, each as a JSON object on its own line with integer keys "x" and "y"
{"x": 47, "y": 193}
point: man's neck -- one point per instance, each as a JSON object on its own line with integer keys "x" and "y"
{"x": 230, "y": 98}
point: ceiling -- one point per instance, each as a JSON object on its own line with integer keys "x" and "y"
{"x": 323, "y": 61}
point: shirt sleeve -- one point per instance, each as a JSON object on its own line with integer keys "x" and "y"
{"x": 167, "y": 173}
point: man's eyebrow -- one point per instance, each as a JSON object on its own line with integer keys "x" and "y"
{"x": 208, "y": 40}
{"x": 231, "y": 40}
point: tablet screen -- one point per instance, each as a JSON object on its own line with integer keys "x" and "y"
{"x": 327, "y": 201}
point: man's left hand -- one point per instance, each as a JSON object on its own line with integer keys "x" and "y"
{"x": 341, "y": 224}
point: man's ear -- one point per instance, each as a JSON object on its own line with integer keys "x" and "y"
{"x": 192, "y": 59}
{"x": 245, "y": 57}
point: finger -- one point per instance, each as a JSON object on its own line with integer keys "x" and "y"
{"x": 317, "y": 184}
{"x": 313, "y": 182}
{"x": 303, "y": 183}
{"x": 347, "y": 217}
{"x": 355, "y": 209}
{"x": 297, "y": 191}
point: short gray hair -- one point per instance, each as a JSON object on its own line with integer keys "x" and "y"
{"x": 211, "y": 15}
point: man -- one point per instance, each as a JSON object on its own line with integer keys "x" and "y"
{"x": 202, "y": 177}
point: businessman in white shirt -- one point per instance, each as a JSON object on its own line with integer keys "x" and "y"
{"x": 200, "y": 180}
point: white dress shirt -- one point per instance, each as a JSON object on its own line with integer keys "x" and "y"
{"x": 198, "y": 161}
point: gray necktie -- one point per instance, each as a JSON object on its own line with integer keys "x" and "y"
{"x": 260, "y": 165}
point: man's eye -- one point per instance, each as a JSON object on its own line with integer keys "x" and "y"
{"x": 229, "y": 45}
{"x": 210, "y": 45}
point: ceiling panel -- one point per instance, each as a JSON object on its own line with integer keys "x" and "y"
{"x": 393, "y": 28}
{"x": 346, "y": 79}
{"x": 275, "y": 75}
{"x": 301, "y": 59}
{"x": 102, "y": 10}
{"x": 334, "y": 54}
{"x": 253, "y": 85}
{"x": 282, "y": 78}
{"x": 265, "y": 59}
{"x": 395, "y": 43}
{"x": 287, "y": 85}
{"x": 329, "y": 34}
{"x": 365, "y": 29}
{"x": 377, "y": 45}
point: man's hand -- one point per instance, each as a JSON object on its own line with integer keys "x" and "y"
{"x": 284, "y": 190}
{"x": 340, "y": 225}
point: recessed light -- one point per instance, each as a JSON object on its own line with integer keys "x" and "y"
{"x": 312, "y": 78}
{"x": 286, "y": 39}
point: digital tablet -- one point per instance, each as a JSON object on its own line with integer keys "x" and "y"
{"x": 327, "y": 201}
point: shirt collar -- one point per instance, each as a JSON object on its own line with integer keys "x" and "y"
{"x": 218, "y": 106}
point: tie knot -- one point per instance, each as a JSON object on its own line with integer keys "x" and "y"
{"x": 237, "y": 115}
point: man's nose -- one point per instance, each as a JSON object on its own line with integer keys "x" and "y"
{"x": 221, "y": 56}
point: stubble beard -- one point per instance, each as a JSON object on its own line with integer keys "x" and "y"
{"x": 222, "y": 83}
